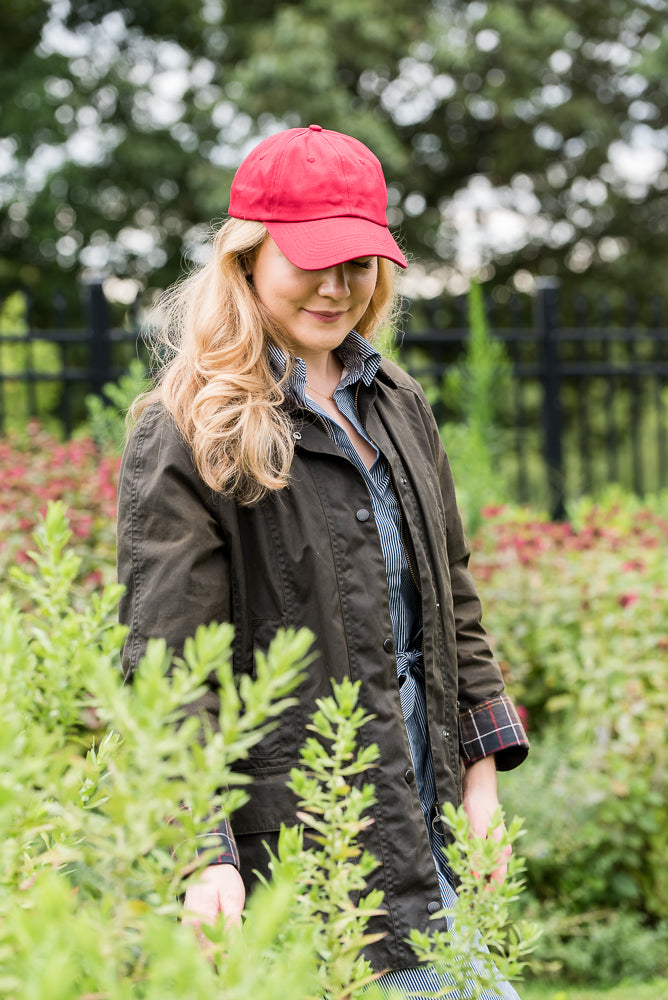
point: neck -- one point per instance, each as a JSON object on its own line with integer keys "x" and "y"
{"x": 323, "y": 372}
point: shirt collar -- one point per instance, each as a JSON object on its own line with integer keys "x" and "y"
{"x": 360, "y": 363}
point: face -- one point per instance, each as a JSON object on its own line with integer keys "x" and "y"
{"x": 317, "y": 308}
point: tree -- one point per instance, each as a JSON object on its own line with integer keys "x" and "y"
{"x": 505, "y": 129}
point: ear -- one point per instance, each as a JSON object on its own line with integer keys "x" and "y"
{"x": 246, "y": 264}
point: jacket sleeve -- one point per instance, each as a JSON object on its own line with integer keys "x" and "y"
{"x": 488, "y": 720}
{"x": 172, "y": 561}
{"x": 172, "y": 558}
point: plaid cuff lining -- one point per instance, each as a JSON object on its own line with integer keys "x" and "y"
{"x": 222, "y": 839}
{"x": 493, "y": 727}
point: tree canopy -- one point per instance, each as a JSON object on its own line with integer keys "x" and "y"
{"x": 518, "y": 139}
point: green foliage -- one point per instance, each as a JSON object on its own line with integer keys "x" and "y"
{"x": 106, "y": 416}
{"x": 19, "y": 357}
{"x": 490, "y": 945}
{"x": 104, "y": 788}
{"x": 577, "y": 616}
{"x": 94, "y": 776}
{"x": 476, "y": 388}
{"x": 333, "y": 867}
{"x": 528, "y": 100}
{"x": 656, "y": 989}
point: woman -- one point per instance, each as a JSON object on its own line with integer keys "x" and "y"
{"x": 282, "y": 474}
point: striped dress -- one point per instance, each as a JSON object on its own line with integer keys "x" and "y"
{"x": 361, "y": 362}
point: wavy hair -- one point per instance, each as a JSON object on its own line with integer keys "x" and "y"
{"x": 214, "y": 378}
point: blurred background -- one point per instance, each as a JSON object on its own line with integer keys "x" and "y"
{"x": 519, "y": 139}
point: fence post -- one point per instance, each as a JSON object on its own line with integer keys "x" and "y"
{"x": 547, "y": 306}
{"x": 100, "y": 340}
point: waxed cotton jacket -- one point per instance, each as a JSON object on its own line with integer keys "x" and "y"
{"x": 310, "y": 556}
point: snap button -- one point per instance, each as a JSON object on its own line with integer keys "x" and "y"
{"x": 388, "y": 645}
{"x": 446, "y": 734}
{"x": 433, "y": 906}
{"x": 315, "y": 128}
{"x": 362, "y": 514}
{"x": 409, "y": 775}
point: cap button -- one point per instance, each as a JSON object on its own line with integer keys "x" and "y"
{"x": 315, "y": 128}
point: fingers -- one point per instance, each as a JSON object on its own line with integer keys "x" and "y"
{"x": 500, "y": 872}
{"x": 217, "y": 889}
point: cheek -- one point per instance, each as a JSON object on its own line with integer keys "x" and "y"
{"x": 365, "y": 293}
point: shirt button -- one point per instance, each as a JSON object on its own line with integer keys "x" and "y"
{"x": 388, "y": 645}
{"x": 409, "y": 776}
{"x": 362, "y": 514}
{"x": 433, "y": 906}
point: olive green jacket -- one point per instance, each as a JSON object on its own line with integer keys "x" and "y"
{"x": 310, "y": 556}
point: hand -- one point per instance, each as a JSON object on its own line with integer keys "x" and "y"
{"x": 216, "y": 889}
{"x": 481, "y": 800}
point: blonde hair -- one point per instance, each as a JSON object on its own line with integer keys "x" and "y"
{"x": 214, "y": 377}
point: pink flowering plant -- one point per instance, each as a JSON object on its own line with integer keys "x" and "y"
{"x": 38, "y": 468}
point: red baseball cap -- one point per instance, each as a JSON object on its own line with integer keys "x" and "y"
{"x": 321, "y": 196}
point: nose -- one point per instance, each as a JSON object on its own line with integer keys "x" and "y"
{"x": 334, "y": 283}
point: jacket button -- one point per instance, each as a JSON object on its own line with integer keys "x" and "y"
{"x": 362, "y": 514}
{"x": 433, "y": 906}
{"x": 409, "y": 776}
{"x": 388, "y": 645}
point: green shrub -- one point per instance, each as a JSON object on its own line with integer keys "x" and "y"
{"x": 104, "y": 788}
{"x": 105, "y": 422}
{"x": 20, "y": 357}
{"x": 476, "y": 389}
{"x": 577, "y": 616}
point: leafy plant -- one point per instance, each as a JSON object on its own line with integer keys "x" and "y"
{"x": 105, "y": 787}
{"x": 474, "y": 953}
{"x": 576, "y": 612}
{"x": 106, "y": 416}
{"x": 475, "y": 388}
{"x": 19, "y": 358}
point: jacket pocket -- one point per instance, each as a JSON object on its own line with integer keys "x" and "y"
{"x": 278, "y": 747}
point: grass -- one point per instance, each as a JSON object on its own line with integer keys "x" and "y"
{"x": 657, "y": 990}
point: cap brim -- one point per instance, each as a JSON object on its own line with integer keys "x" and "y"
{"x": 324, "y": 242}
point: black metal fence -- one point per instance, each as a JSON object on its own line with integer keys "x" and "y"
{"x": 50, "y": 371}
{"x": 588, "y": 399}
{"x": 587, "y": 404}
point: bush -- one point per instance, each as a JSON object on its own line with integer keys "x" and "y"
{"x": 19, "y": 358}
{"x": 105, "y": 423}
{"x": 577, "y": 616}
{"x": 476, "y": 389}
{"x": 105, "y": 788}
{"x": 37, "y": 468}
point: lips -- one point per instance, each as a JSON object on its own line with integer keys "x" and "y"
{"x": 325, "y": 317}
